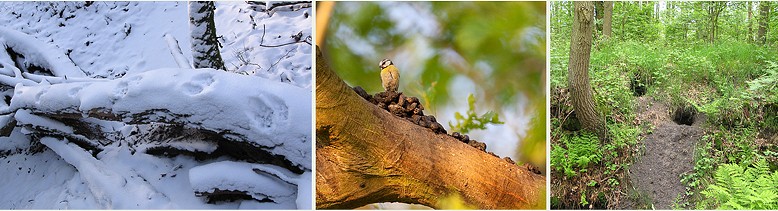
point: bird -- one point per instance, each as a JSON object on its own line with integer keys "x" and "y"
{"x": 390, "y": 75}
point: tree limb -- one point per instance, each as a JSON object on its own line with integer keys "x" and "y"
{"x": 366, "y": 155}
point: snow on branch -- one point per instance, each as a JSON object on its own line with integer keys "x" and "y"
{"x": 175, "y": 50}
{"x": 32, "y": 52}
{"x": 271, "y": 115}
{"x": 114, "y": 190}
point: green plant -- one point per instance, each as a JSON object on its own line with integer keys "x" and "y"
{"x": 739, "y": 187}
{"x": 703, "y": 166}
{"x": 583, "y": 198}
{"x": 576, "y": 151}
{"x": 678, "y": 204}
{"x": 592, "y": 183}
{"x": 473, "y": 121}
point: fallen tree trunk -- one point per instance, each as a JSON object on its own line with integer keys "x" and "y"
{"x": 204, "y": 99}
{"x": 366, "y": 155}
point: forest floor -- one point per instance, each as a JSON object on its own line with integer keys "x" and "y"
{"x": 667, "y": 152}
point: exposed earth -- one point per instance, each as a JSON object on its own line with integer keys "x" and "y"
{"x": 667, "y": 153}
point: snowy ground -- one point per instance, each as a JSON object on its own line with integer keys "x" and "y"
{"x": 117, "y": 46}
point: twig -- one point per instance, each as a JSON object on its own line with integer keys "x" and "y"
{"x": 272, "y": 46}
{"x": 279, "y": 59}
{"x": 262, "y": 41}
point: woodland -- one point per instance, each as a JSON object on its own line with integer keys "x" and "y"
{"x": 664, "y": 105}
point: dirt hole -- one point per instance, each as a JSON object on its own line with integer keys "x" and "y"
{"x": 638, "y": 85}
{"x": 684, "y": 115}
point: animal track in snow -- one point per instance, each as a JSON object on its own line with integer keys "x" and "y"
{"x": 267, "y": 110}
{"x": 73, "y": 92}
{"x": 39, "y": 94}
{"x": 120, "y": 90}
{"x": 198, "y": 83}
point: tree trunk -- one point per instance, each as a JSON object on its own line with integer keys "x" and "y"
{"x": 205, "y": 46}
{"x": 607, "y": 20}
{"x": 598, "y": 14}
{"x": 578, "y": 74}
{"x": 764, "y": 16}
{"x": 366, "y": 155}
{"x": 750, "y": 37}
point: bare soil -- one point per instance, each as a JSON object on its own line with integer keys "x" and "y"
{"x": 667, "y": 153}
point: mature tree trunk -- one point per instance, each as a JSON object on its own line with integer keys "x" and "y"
{"x": 607, "y": 20}
{"x": 578, "y": 74}
{"x": 598, "y": 14}
{"x": 365, "y": 155}
{"x": 205, "y": 46}
{"x": 750, "y": 37}
{"x": 764, "y": 16}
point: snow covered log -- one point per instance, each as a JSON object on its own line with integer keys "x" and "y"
{"x": 365, "y": 155}
{"x": 272, "y": 116}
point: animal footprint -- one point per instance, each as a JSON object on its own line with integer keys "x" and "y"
{"x": 267, "y": 110}
{"x": 198, "y": 84}
{"x": 120, "y": 90}
{"x": 41, "y": 93}
{"x": 72, "y": 92}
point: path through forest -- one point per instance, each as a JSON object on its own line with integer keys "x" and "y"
{"x": 668, "y": 153}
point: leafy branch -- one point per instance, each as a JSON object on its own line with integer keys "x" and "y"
{"x": 473, "y": 121}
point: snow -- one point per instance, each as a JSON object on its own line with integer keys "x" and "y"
{"x": 119, "y": 58}
{"x": 24, "y": 116}
{"x": 241, "y": 177}
{"x": 279, "y": 118}
{"x": 175, "y": 50}
{"x": 32, "y": 48}
{"x": 305, "y": 191}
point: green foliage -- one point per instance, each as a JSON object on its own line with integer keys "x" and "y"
{"x": 765, "y": 87}
{"x": 473, "y": 121}
{"x": 677, "y": 204}
{"x": 583, "y": 198}
{"x": 704, "y": 163}
{"x": 493, "y": 49}
{"x": 738, "y": 187}
{"x": 577, "y": 151}
{"x": 621, "y": 135}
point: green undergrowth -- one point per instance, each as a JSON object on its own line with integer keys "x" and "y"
{"x": 733, "y": 85}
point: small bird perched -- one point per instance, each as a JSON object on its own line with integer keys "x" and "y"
{"x": 390, "y": 76}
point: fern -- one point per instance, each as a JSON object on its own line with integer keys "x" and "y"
{"x": 738, "y": 187}
{"x": 581, "y": 150}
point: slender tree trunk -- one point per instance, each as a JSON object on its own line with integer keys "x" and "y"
{"x": 607, "y": 20}
{"x": 205, "y": 47}
{"x": 578, "y": 74}
{"x": 599, "y": 7}
{"x": 764, "y": 14}
{"x": 750, "y": 37}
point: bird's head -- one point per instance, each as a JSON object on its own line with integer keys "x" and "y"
{"x": 384, "y": 63}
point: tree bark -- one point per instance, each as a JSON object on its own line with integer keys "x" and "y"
{"x": 607, "y": 20}
{"x": 764, "y": 16}
{"x": 750, "y": 37}
{"x": 578, "y": 72}
{"x": 599, "y": 8}
{"x": 205, "y": 47}
{"x": 366, "y": 155}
